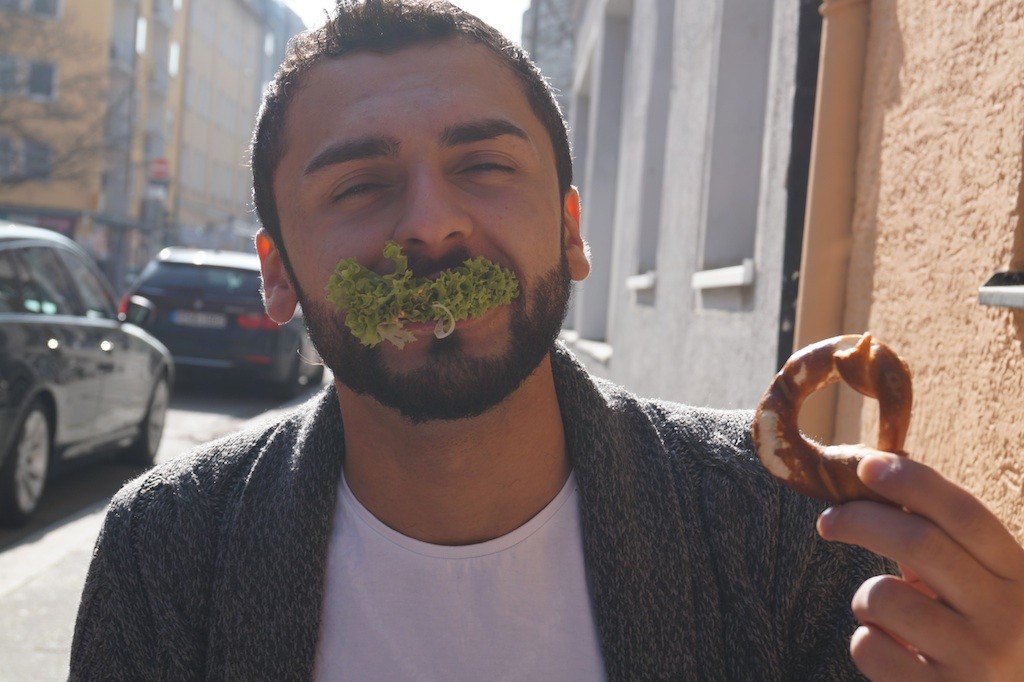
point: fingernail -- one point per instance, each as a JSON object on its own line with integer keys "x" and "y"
{"x": 876, "y": 468}
{"x": 826, "y": 519}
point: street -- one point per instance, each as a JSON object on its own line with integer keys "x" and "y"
{"x": 43, "y": 565}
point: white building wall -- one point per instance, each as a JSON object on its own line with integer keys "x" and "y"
{"x": 547, "y": 35}
{"x": 685, "y": 172}
{"x": 600, "y": 172}
{"x": 223, "y": 80}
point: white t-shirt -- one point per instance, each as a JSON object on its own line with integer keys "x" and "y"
{"x": 513, "y": 608}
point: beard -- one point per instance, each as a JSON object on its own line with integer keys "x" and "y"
{"x": 452, "y": 384}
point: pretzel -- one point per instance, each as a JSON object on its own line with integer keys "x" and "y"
{"x": 830, "y": 472}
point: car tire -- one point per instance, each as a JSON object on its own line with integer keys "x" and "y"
{"x": 143, "y": 451}
{"x": 24, "y": 471}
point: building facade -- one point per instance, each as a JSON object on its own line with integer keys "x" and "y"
{"x": 548, "y": 34}
{"x": 229, "y": 50}
{"x": 222, "y": 45}
{"x": 691, "y": 128}
{"x": 125, "y": 123}
{"x": 936, "y": 210}
{"x": 758, "y": 176}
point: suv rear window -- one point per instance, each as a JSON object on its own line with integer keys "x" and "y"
{"x": 208, "y": 279}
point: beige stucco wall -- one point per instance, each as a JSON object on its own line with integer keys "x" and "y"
{"x": 938, "y": 209}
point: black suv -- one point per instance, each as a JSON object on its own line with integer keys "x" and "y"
{"x": 75, "y": 379}
{"x": 207, "y": 308}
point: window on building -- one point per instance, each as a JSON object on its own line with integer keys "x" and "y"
{"x": 141, "y": 31}
{"x": 205, "y": 87}
{"x": 204, "y": 19}
{"x": 38, "y": 159}
{"x": 612, "y": 63}
{"x": 191, "y": 92}
{"x": 163, "y": 9}
{"x": 173, "y": 57}
{"x": 8, "y": 160}
{"x": 45, "y": 8}
{"x": 240, "y": 187}
{"x": 218, "y": 182}
{"x": 655, "y": 134}
{"x": 154, "y": 144}
{"x": 185, "y": 163}
{"x": 199, "y": 171}
{"x": 228, "y": 114}
{"x": 8, "y": 73}
{"x": 217, "y": 107}
{"x": 734, "y": 173}
{"x": 42, "y": 79}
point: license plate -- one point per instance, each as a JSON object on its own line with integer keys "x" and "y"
{"x": 192, "y": 318}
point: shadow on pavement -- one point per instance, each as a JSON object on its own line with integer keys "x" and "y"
{"x": 69, "y": 492}
{"x": 86, "y": 483}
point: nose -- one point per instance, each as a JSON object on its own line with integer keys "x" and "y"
{"x": 433, "y": 219}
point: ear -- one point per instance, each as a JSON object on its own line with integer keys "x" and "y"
{"x": 577, "y": 252}
{"x": 278, "y": 293}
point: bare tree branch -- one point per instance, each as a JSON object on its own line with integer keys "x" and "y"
{"x": 73, "y": 122}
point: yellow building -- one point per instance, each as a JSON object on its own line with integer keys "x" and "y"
{"x": 125, "y": 123}
{"x": 52, "y": 80}
{"x": 84, "y": 102}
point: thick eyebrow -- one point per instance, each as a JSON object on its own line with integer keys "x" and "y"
{"x": 478, "y": 131}
{"x": 352, "y": 150}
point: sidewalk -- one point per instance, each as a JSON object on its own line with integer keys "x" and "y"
{"x": 41, "y": 581}
{"x": 40, "y": 586}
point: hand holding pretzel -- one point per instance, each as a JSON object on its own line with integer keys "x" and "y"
{"x": 956, "y": 612}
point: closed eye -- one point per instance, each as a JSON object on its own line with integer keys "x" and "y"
{"x": 488, "y": 167}
{"x": 356, "y": 190}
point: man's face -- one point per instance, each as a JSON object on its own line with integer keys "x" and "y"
{"x": 436, "y": 147}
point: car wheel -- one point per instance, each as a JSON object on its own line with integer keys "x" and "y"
{"x": 151, "y": 430}
{"x": 23, "y": 474}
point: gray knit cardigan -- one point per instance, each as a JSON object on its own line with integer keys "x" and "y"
{"x": 699, "y": 565}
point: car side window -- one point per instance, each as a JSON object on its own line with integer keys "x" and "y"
{"x": 48, "y": 289}
{"x": 95, "y": 297}
{"x": 10, "y": 287}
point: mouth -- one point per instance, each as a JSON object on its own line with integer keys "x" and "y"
{"x": 401, "y": 306}
{"x": 432, "y": 268}
{"x": 423, "y": 328}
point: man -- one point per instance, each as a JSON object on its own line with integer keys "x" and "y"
{"x": 476, "y": 506}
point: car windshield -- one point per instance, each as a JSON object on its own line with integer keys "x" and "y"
{"x": 209, "y": 279}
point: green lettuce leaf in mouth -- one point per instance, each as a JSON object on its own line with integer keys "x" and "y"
{"x": 376, "y": 307}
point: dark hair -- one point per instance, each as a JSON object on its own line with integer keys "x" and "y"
{"x": 385, "y": 26}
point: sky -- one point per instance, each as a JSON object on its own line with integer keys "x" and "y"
{"x": 504, "y": 15}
